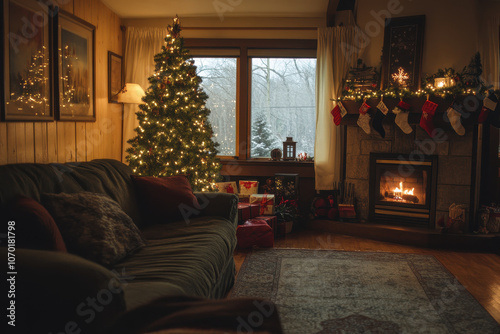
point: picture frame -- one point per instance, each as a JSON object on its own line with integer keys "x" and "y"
{"x": 403, "y": 51}
{"x": 115, "y": 76}
{"x": 75, "y": 73}
{"x": 27, "y": 61}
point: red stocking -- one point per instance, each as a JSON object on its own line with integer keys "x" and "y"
{"x": 426, "y": 121}
{"x": 338, "y": 112}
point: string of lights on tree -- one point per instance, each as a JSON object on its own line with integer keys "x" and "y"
{"x": 452, "y": 84}
{"x": 174, "y": 135}
{"x": 68, "y": 90}
{"x": 34, "y": 84}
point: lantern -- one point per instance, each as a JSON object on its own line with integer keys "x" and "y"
{"x": 443, "y": 82}
{"x": 289, "y": 149}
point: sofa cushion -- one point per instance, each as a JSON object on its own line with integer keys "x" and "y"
{"x": 94, "y": 226}
{"x": 193, "y": 256}
{"x": 104, "y": 176}
{"x": 34, "y": 226}
{"x": 141, "y": 293}
{"x": 163, "y": 199}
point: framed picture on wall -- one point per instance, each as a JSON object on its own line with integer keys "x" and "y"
{"x": 76, "y": 69}
{"x": 115, "y": 76}
{"x": 26, "y": 59}
{"x": 402, "y": 53}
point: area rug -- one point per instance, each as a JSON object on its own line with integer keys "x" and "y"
{"x": 326, "y": 291}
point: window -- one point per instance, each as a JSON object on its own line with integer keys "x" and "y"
{"x": 260, "y": 92}
{"x": 283, "y": 104}
{"x": 219, "y": 82}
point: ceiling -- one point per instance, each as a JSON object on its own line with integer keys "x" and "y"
{"x": 218, "y": 8}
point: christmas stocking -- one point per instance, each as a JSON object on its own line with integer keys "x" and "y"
{"x": 379, "y": 117}
{"x": 454, "y": 117}
{"x": 364, "y": 118}
{"x": 338, "y": 112}
{"x": 426, "y": 120}
{"x": 401, "y": 111}
{"x": 489, "y": 104}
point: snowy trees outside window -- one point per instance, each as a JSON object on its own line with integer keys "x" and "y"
{"x": 219, "y": 82}
{"x": 283, "y": 100}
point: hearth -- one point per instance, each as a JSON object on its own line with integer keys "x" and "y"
{"x": 402, "y": 189}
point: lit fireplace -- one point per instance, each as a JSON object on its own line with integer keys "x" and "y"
{"x": 402, "y": 191}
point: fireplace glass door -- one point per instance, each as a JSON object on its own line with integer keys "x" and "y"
{"x": 409, "y": 188}
{"x": 401, "y": 189}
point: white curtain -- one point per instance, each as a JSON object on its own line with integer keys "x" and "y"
{"x": 141, "y": 45}
{"x": 490, "y": 50}
{"x": 337, "y": 51}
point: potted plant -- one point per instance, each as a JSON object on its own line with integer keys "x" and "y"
{"x": 287, "y": 212}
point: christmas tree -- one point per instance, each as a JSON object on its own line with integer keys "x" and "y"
{"x": 262, "y": 140}
{"x": 174, "y": 136}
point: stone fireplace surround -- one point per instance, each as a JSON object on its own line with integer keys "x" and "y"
{"x": 455, "y": 160}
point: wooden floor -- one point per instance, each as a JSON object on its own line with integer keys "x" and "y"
{"x": 478, "y": 272}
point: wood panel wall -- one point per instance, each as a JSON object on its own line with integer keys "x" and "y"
{"x": 45, "y": 142}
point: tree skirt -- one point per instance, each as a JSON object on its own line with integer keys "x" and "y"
{"x": 326, "y": 291}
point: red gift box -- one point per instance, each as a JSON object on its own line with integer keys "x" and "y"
{"x": 254, "y": 210}
{"x": 271, "y": 221}
{"x": 244, "y": 212}
{"x": 254, "y": 233}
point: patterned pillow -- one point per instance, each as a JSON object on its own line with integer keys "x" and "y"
{"x": 94, "y": 226}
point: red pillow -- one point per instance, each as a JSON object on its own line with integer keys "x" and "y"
{"x": 165, "y": 198}
{"x": 34, "y": 226}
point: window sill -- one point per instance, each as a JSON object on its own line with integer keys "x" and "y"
{"x": 258, "y": 167}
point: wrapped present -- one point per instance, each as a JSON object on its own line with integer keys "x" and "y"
{"x": 254, "y": 233}
{"x": 324, "y": 208}
{"x": 243, "y": 198}
{"x": 456, "y": 219}
{"x": 249, "y": 187}
{"x": 254, "y": 210}
{"x": 346, "y": 212}
{"x": 244, "y": 212}
{"x": 271, "y": 221}
{"x": 227, "y": 187}
{"x": 266, "y": 202}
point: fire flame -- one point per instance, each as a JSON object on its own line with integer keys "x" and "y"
{"x": 402, "y": 191}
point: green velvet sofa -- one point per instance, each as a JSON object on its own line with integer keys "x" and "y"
{"x": 58, "y": 292}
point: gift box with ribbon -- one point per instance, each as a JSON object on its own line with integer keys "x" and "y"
{"x": 271, "y": 221}
{"x": 254, "y": 232}
{"x": 249, "y": 187}
{"x": 254, "y": 209}
{"x": 227, "y": 187}
{"x": 266, "y": 202}
{"x": 244, "y": 212}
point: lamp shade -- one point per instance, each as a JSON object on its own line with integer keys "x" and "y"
{"x": 131, "y": 93}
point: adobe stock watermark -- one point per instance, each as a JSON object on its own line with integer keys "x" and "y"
{"x": 255, "y": 319}
{"x": 88, "y": 309}
{"x": 224, "y": 6}
{"x": 31, "y": 26}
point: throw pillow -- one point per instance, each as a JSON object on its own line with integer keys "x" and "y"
{"x": 94, "y": 226}
{"x": 34, "y": 226}
{"x": 164, "y": 198}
